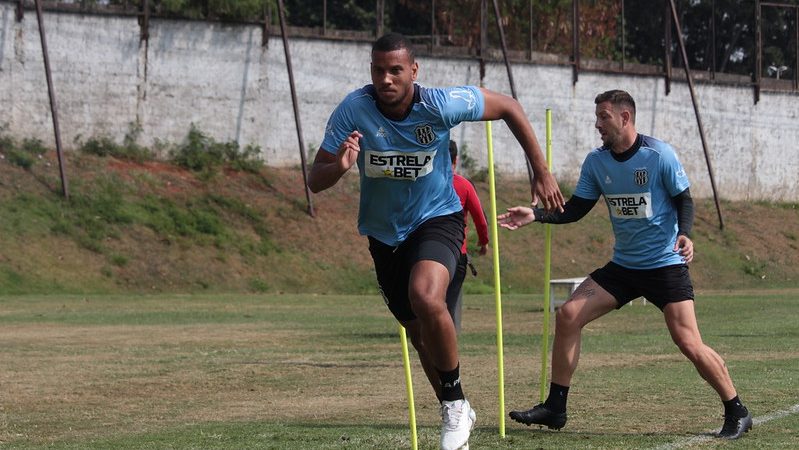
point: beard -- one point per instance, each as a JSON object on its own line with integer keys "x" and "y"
{"x": 609, "y": 139}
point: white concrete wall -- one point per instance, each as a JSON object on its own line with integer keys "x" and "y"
{"x": 95, "y": 66}
{"x": 220, "y": 78}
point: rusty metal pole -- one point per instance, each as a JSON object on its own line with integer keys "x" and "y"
{"x": 623, "y": 37}
{"x": 379, "y": 17}
{"x": 758, "y": 51}
{"x": 510, "y": 76}
{"x": 667, "y": 47}
{"x": 796, "y": 49}
{"x": 432, "y": 25}
{"x": 504, "y": 44}
{"x": 575, "y": 40}
{"x": 696, "y": 109}
{"x": 713, "y": 39}
{"x": 145, "y": 24}
{"x": 531, "y": 43}
{"x": 483, "y": 36}
{"x": 282, "y": 14}
{"x": 265, "y": 22}
{"x": 53, "y": 103}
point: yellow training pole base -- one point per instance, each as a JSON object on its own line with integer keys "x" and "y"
{"x": 406, "y": 363}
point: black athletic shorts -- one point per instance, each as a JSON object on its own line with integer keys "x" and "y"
{"x": 454, "y": 289}
{"x": 669, "y": 284}
{"x": 438, "y": 239}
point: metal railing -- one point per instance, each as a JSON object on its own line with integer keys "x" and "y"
{"x": 602, "y": 36}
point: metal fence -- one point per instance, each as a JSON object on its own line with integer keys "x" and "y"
{"x": 744, "y": 42}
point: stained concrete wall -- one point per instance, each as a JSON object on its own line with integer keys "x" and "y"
{"x": 222, "y": 79}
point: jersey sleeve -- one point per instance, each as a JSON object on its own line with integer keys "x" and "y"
{"x": 339, "y": 126}
{"x": 587, "y": 186}
{"x": 672, "y": 172}
{"x": 457, "y": 104}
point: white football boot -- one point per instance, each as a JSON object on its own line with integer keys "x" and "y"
{"x": 458, "y": 419}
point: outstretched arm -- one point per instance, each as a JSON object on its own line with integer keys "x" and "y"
{"x": 328, "y": 168}
{"x": 575, "y": 209}
{"x": 499, "y": 106}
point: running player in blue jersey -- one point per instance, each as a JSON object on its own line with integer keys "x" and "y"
{"x": 398, "y": 134}
{"x": 646, "y": 191}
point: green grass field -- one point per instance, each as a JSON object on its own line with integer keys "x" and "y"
{"x": 311, "y": 371}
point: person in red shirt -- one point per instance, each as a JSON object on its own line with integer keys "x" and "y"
{"x": 471, "y": 205}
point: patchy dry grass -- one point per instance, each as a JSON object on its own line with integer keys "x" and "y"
{"x": 311, "y": 371}
{"x": 154, "y": 227}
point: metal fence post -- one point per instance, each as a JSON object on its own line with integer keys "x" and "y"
{"x": 284, "y": 32}
{"x": 758, "y": 72}
{"x": 53, "y": 103}
{"x": 667, "y": 48}
{"x": 575, "y": 40}
{"x": 690, "y": 79}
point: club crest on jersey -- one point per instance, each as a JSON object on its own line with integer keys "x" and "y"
{"x": 424, "y": 134}
{"x": 641, "y": 177}
{"x": 398, "y": 165}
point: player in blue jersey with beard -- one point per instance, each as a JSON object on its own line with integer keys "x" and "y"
{"x": 646, "y": 191}
{"x": 398, "y": 134}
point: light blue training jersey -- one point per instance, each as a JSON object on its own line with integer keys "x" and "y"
{"x": 638, "y": 193}
{"x": 405, "y": 169}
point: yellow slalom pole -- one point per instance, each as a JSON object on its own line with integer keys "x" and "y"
{"x": 547, "y": 275}
{"x": 497, "y": 291}
{"x": 406, "y": 362}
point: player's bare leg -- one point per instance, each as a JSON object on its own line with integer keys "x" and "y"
{"x": 427, "y": 292}
{"x": 588, "y": 302}
{"x": 415, "y": 333}
{"x": 681, "y": 321}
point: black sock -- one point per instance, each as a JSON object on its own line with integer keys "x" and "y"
{"x": 734, "y": 407}
{"x": 451, "y": 384}
{"x": 557, "y": 398}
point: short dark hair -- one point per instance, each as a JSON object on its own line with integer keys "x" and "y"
{"x": 394, "y": 41}
{"x": 453, "y": 151}
{"x": 617, "y": 97}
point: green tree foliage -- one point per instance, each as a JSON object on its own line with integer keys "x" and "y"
{"x": 779, "y": 25}
{"x": 733, "y": 24}
{"x": 213, "y": 9}
{"x": 720, "y": 34}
